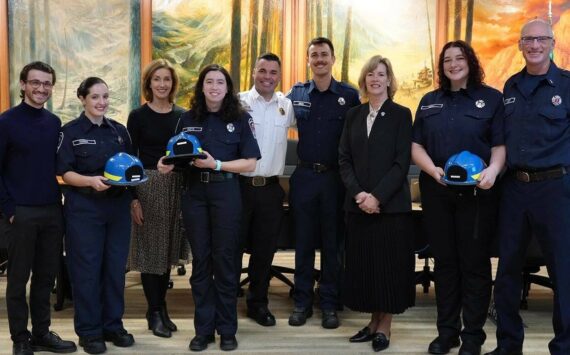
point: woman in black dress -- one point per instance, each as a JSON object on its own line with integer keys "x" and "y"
{"x": 157, "y": 240}
{"x": 374, "y": 158}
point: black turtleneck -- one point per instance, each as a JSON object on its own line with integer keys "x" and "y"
{"x": 28, "y": 145}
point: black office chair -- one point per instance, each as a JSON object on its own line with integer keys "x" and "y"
{"x": 425, "y": 276}
{"x": 533, "y": 263}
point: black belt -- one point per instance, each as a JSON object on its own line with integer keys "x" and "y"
{"x": 212, "y": 176}
{"x": 259, "y": 181}
{"x": 316, "y": 167}
{"x": 113, "y": 191}
{"x": 540, "y": 175}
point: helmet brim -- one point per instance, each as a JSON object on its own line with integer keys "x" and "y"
{"x": 460, "y": 183}
{"x": 126, "y": 183}
{"x": 182, "y": 158}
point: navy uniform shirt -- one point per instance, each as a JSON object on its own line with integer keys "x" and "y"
{"x": 224, "y": 141}
{"x": 320, "y": 119}
{"x": 449, "y": 122}
{"x": 537, "y": 121}
{"x": 85, "y": 147}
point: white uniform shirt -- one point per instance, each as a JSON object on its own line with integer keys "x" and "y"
{"x": 272, "y": 120}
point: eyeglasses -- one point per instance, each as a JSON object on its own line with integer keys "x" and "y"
{"x": 528, "y": 40}
{"x": 36, "y": 84}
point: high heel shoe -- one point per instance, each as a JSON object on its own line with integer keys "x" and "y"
{"x": 156, "y": 324}
{"x": 166, "y": 319}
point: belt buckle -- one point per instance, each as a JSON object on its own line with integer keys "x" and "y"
{"x": 523, "y": 176}
{"x": 319, "y": 168}
{"x": 205, "y": 176}
{"x": 258, "y": 181}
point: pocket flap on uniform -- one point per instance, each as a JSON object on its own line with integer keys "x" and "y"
{"x": 553, "y": 113}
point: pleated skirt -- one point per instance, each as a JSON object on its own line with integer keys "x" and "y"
{"x": 161, "y": 241}
{"x": 379, "y": 274}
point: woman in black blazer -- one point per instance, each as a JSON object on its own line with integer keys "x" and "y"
{"x": 374, "y": 158}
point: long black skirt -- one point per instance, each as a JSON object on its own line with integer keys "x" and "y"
{"x": 380, "y": 263}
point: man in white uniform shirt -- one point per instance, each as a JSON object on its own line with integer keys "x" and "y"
{"x": 262, "y": 195}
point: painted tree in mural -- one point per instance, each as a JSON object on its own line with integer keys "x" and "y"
{"x": 346, "y": 52}
{"x": 319, "y": 17}
{"x": 134, "y": 58}
{"x": 32, "y": 23}
{"x": 469, "y": 21}
{"x": 330, "y": 19}
{"x": 265, "y": 26}
{"x": 457, "y": 20}
{"x": 47, "y": 46}
{"x": 252, "y": 39}
{"x": 236, "y": 43}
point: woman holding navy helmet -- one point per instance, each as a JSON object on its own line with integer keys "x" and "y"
{"x": 157, "y": 240}
{"x": 98, "y": 222}
{"x": 211, "y": 202}
{"x": 459, "y": 204}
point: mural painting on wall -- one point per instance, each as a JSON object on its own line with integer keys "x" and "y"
{"x": 402, "y": 31}
{"x": 493, "y": 29}
{"x": 78, "y": 38}
{"x": 232, "y": 33}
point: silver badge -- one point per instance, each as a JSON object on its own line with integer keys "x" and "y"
{"x": 480, "y": 103}
{"x": 556, "y": 100}
{"x": 120, "y": 139}
{"x": 341, "y": 101}
{"x": 230, "y": 127}
{"x": 382, "y": 113}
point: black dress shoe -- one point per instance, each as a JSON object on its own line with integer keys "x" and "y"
{"x": 470, "y": 348}
{"x": 228, "y": 342}
{"x": 200, "y": 342}
{"x": 166, "y": 319}
{"x": 442, "y": 345}
{"x": 380, "y": 342}
{"x": 53, "y": 343}
{"x": 120, "y": 338}
{"x": 299, "y": 316}
{"x": 262, "y": 316}
{"x": 22, "y": 348}
{"x": 499, "y": 351}
{"x": 362, "y": 336}
{"x": 93, "y": 345}
{"x": 156, "y": 324}
{"x": 330, "y": 319}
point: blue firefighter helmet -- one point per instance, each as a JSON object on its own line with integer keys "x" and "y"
{"x": 123, "y": 169}
{"x": 463, "y": 168}
{"x": 183, "y": 147}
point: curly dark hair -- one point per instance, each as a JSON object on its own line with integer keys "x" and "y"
{"x": 476, "y": 73}
{"x": 230, "y": 110}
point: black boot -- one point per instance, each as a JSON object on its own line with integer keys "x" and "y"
{"x": 156, "y": 324}
{"x": 166, "y": 319}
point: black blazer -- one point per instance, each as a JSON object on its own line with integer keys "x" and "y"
{"x": 377, "y": 164}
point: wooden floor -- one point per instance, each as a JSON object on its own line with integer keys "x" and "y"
{"x": 411, "y": 331}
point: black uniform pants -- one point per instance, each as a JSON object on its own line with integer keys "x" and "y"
{"x": 34, "y": 245}
{"x": 261, "y": 224}
{"x": 212, "y": 214}
{"x": 460, "y": 225}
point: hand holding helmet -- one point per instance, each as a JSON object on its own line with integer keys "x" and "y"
{"x": 123, "y": 169}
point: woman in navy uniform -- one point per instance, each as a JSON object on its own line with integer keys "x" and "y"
{"x": 98, "y": 221}
{"x": 211, "y": 202}
{"x": 462, "y": 114}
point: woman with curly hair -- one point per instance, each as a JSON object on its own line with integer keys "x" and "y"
{"x": 211, "y": 202}
{"x": 462, "y": 114}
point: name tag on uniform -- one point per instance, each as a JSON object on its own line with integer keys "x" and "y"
{"x": 302, "y": 103}
{"x": 83, "y": 141}
{"x": 192, "y": 129}
{"x": 510, "y": 100}
{"x": 431, "y": 106}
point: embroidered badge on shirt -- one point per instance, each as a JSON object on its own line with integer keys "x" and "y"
{"x": 77, "y": 142}
{"x": 341, "y": 101}
{"x": 480, "y": 103}
{"x": 60, "y": 140}
{"x": 431, "y": 106}
{"x": 510, "y": 100}
{"x": 556, "y": 100}
{"x": 251, "y": 126}
{"x": 120, "y": 140}
{"x": 192, "y": 129}
{"x": 230, "y": 127}
{"x": 282, "y": 111}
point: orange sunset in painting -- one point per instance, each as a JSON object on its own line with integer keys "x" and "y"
{"x": 496, "y": 31}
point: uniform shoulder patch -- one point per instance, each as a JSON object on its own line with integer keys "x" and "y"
{"x": 251, "y": 126}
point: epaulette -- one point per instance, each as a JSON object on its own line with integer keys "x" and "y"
{"x": 71, "y": 123}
